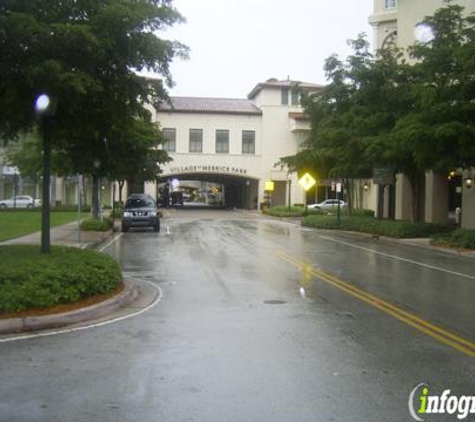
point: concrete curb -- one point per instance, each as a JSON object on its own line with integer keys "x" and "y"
{"x": 19, "y": 325}
{"x": 103, "y": 238}
{"x": 418, "y": 243}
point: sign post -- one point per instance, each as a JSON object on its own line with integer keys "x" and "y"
{"x": 268, "y": 189}
{"x": 338, "y": 192}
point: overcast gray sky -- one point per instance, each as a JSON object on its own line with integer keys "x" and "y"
{"x": 236, "y": 44}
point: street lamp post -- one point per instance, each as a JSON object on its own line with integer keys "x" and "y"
{"x": 45, "y": 109}
{"x": 289, "y": 180}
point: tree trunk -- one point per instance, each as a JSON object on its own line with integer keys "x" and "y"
{"x": 121, "y": 186}
{"x": 349, "y": 193}
{"x": 95, "y": 206}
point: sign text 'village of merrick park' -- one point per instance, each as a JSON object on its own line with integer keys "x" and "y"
{"x": 209, "y": 169}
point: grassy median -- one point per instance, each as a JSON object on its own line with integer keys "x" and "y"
{"x": 365, "y": 224}
{"x": 29, "y": 279}
{"x": 283, "y": 211}
{"x": 19, "y": 223}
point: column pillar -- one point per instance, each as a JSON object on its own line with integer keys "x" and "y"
{"x": 468, "y": 204}
{"x": 436, "y": 198}
{"x": 403, "y": 197}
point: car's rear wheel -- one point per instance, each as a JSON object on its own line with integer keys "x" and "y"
{"x": 3, "y": 206}
{"x": 29, "y": 206}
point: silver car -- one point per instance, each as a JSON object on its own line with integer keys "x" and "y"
{"x": 20, "y": 201}
{"x": 328, "y": 205}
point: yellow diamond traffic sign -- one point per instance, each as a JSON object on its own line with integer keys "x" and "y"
{"x": 307, "y": 181}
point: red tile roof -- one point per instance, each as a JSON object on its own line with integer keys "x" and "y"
{"x": 210, "y": 105}
{"x": 274, "y": 83}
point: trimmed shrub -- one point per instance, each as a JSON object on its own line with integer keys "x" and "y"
{"x": 73, "y": 208}
{"x": 461, "y": 238}
{"x": 92, "y": 224}
{"x": 30, "y": 279}
{"x": 117, "y": 213}
{"x": 282, "y": 211}
{"x": 359, "y": 212}
{"x": 390, "y": 228}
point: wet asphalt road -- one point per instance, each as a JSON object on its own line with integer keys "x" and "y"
{"x": 245, "y": 331}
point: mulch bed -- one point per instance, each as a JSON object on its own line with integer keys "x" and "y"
{"x": 66, "y": 307}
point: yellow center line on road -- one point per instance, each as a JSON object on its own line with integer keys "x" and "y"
{"x": 444, "y": 336}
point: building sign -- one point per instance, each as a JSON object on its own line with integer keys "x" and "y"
{"x": 206, "y": 169}
{"x": 10, "y": 171}
{"x": 269, "y": 186}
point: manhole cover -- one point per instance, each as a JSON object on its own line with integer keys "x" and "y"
{"x": 274, "y": 302}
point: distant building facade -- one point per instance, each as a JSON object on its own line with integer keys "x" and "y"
{"x": 227, "y": 146}
{"x": 237, "y": 142}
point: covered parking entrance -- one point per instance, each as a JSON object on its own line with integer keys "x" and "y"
{"x": 210, "y": 189}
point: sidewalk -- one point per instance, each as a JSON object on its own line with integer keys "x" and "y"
{"x": 67, "y": 234}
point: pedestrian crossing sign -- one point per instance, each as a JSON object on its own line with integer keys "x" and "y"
{"x": 307, "y": 181}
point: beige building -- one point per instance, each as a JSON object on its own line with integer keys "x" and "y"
{"x": 235, "y": 143}
{"x": 226, "y": 149}
{"x": 397, "y": 21}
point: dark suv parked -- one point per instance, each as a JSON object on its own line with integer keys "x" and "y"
{"x": 140, "y": 211}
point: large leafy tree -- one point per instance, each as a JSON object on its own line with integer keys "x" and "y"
{"x": 137, "y": 156}
{"x": 440, "y": 130}
{"x": 380, "y": 111}
{"x": 85, "y": 54}
{"x": 27, "y": 155}
{"x": 352, "y": 116}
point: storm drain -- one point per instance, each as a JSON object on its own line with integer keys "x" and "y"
{"x": 274, "y": 302}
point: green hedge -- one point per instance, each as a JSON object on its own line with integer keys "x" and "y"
{"x": 116, "y": 214}
{"x": 92, "y": 224}
{"x": 29, "y": 279}
{"x": 84, "y": 208}
{"x": 361, "y": 212}
{"x": 390, "y": 228}
{"x": 299, "y": 211}
{"x": 461, "y": 238}
{"x": 283, "y": 211}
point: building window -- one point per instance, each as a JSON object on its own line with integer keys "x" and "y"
{"x": 295, "y": 97}
{"x": 248, "y": 142}
{"x": 390, "y": 4}
{"x": 196, "y": 140}
{"x": 285, "y": 96}
{"x": 170, "y": 139}
{"x": 222, "y": 141}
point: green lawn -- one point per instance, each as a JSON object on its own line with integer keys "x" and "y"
{"x": 19, "y": 223}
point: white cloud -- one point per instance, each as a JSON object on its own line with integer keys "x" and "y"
{"x": 237, "y": 43}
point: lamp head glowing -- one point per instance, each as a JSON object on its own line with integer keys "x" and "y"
{"x": 42, "y": 103}
{"x": 424, "y": 33}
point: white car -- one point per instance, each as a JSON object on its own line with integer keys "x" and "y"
{"x": 20, "y": 201}
{"x": 328, "y": 205}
